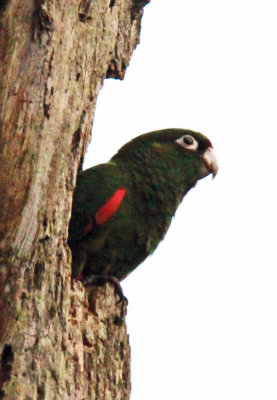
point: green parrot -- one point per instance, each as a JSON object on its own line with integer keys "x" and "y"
{"x": 122, "y": 209}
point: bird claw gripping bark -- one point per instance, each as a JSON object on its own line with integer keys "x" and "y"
{"x": 101, "y": 280}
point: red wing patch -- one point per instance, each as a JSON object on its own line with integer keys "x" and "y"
{"x": 107, "y": 211}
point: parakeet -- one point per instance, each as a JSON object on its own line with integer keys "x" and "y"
{"x": 122, "y": 209}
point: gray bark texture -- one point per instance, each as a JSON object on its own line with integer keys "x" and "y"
{"x": 57, "y": 341}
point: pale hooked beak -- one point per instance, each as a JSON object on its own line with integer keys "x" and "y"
{"x": 210, "y": 161}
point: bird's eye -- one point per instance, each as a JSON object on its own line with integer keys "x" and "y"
{"x": 188, "y": 142}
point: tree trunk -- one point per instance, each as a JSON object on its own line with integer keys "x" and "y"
{"x": 56, "y": 340}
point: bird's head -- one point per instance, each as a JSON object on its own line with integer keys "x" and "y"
{"x": 176, "y": 151}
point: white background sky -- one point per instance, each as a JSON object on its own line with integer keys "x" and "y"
{"x": 202, "y": 314}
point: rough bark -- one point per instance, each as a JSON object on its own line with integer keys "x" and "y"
{"x": 54, "y": 56}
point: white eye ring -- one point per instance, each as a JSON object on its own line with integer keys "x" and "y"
{"x": 188, "y": 142}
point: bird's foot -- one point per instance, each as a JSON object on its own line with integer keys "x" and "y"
{"x": 101, "y": 280}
